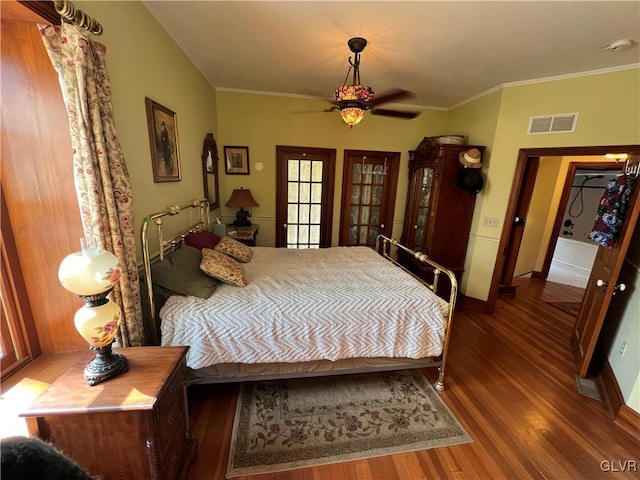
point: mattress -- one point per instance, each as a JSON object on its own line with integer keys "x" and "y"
{"x": 305, "y": 305}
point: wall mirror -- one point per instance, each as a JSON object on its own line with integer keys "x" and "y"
{"x": 210, "y": 171}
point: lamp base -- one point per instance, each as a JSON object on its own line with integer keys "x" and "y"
{"x": 242, "y": 218}
{"x": 105, "y": 365}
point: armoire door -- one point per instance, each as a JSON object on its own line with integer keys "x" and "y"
{"x": 422, "y": 182}
{"x": 368, "y": 196}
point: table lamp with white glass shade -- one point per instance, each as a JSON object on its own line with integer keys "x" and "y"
{"x": 91, "y": 274}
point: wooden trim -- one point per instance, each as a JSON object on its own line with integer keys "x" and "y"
{"x": 505, "y": 236}
{"x": 609, "y": 386}
{"x": 625, "y": 417}
{"x": 328, "y": 158}
{"x": 564, "y": 201}
{"x": 629, "y": 420}
{"x": 44, "y": 9}
{"x": 16, "y": 290}
{"x": 389, "y": 188}
{"x": 524, "y": 155}
{"x": 474, "y": 304}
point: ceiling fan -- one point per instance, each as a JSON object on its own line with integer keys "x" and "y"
{"x": 354, "y": 99}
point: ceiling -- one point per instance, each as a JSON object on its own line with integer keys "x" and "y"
{"x": 445, "y": 52}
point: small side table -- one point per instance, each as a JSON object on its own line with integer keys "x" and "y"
{"x": 135, "y": 425}
{"x": 246, "y": 235}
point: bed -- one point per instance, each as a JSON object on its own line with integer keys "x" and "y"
{"x": 302, "y": 312}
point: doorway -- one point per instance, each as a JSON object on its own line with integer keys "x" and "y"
{"x": 517, "y": 208}
{"x": 369, "y": 186}
{"x": 304, "y": 196}
{"x": 602, "y": 284}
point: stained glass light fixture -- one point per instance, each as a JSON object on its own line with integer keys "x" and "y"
{"x": 353, "y": 99}
{"x": 350, "y": 98}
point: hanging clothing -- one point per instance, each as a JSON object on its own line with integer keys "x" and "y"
{"x": 611, "y": 209}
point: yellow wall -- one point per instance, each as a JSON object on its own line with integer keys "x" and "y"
{"x": 261, "y": 122}
{"x": 608, "y": 115}
{"x": 144, "y": 61}
{"x": 540, "y": 210}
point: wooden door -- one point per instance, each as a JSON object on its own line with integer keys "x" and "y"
{"x": 603, "y": 285}
{"x": 368, "y": 196}
{"x": 518, "y": 225}
{"x": 304, "y": 196}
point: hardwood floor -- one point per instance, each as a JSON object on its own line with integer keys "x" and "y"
{"x": 511, "y": 383}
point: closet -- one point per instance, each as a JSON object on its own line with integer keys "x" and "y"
{"x": 438, "y": 213}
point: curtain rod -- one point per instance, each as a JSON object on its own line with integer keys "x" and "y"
{"x": 71, "y": 14}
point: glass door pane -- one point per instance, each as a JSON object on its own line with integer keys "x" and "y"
{"x": 304, "y": 203}
{"x": 422, "y": 216}
{"x": 304, "y": 196}
{"x": 366, "y": 192}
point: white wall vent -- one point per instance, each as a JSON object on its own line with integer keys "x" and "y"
{"x": 561, "y": 123}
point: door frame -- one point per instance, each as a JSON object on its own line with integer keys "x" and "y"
{"x": 518, "y": 189}
{"x": 562, "y": 207}
{"x": 328, "y": 186}
{"x": 530, "y": 172}
{"x": 391, "y": 182}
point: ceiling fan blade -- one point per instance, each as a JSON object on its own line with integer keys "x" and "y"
{"x": 392, "y": 95}
{"x": 394, "y": 113}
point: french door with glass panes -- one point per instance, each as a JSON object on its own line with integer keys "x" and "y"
{"x": 368, "y": 196}
{"x": 304, "y": 196}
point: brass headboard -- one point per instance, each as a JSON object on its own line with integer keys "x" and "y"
{"x": 167, "y": 245}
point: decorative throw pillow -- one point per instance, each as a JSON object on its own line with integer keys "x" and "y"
{"x": 219, "y": 266}
{"x": 236, "y": 250}
{"x": 202, "y": 240}
{"x": 179, "y": 273}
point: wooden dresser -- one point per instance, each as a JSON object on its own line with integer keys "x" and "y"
{"x": 133, "y": 426}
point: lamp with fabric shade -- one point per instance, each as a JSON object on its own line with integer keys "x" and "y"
{"x": 242, "y": 198}
{"x": 91, "y": 274}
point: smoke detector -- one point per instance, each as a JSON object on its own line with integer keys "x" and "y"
{"x": 619, "y": 45}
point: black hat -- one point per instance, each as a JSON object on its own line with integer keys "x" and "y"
{"x": 470, "y": 179}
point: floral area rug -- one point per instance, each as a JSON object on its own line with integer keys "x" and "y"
{"x": 287, "y": 424}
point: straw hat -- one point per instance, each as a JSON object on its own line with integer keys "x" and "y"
{"x": 471, "y": 158}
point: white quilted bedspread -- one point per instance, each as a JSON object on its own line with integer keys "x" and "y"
{"x": 301, "y": 305}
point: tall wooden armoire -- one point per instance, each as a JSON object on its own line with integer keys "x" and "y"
{"x": 438, "y": 212}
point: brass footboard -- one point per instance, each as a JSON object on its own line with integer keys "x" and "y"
{"x": 384, "y": 248}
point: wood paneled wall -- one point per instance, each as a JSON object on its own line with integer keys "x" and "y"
{"x": 37, "y": 180}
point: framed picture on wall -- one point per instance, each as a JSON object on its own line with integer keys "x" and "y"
{"x": 236, "y": 160}
{"x": 163, "y": 139}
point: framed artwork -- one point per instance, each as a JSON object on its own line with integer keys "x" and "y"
{"x": 236, "y": 160}
{"x": 163, "y": 139}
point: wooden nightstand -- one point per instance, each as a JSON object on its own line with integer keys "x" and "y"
{"x": 135, "y": 425}
{"x": 246, "y": 235}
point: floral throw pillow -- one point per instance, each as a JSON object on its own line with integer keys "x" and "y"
{"x": 219, "y": 266}
{"x": 236, "y": 250}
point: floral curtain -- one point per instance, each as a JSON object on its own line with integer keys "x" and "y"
{"x": 102, "y": 181}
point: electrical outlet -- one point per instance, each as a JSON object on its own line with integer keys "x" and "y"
{"x": 491, "y": 222}
{"x": 623, "y": 348}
